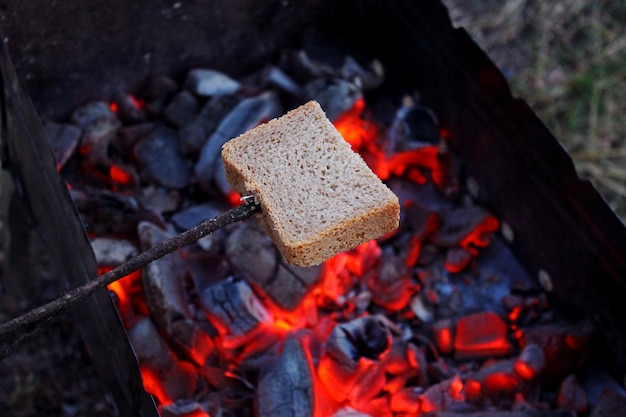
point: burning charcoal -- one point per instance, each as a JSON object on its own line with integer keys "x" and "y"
{"x": 156, "y": 92}
{"x": 445, "y": 395}
{"x": 161, "y": 160}
{"x": 252, "y": 253}
{"x": 164, "y": 375}
{"x": 414, "y": 127}
{"x": 183, "y": 408}
{"x": 163, "y": 277}
{"x": 422, "y": 309}
{"x": 182, "y": 109}
{"x": 108, "y": 213}
{"x": 427, "y": 255}
{"x": 391, "y": 284}
{"x": 286, "y": 390}
{"x": 206, "y": 269}
{"x": 127, "y": 137}
{"x": 165, "y": 296}
{"x": 302, "y": 65}
{"x": 554, "y": 413}
{"x": 206, "y": 82}
{"x": 194, "y": 135}
{"x": 159, "y": 199}
{"x": 335, "y": 95}
{"x": 128, "y": 108}
{"x": 530, "y": 362}
{"x": 457, "y": 259}
{"x": 405, "y": 362}
{"x": 249, "y": 113}
{"x": 464, "y": 227}
{"x": 234, "y": 309}
{"x": 565, "y": 347}
{"x": 369, "y": 79}
{"x": 111, "y": 251}
{"x": 572, "y": 396}
{"x": 95, "y": 140}
{"x": 92, "y": 111}
{"x": 291, "y": 284}
{"x": 610, "y": 403}
{"x": 481, "y": 335}
{"x": 63, "y": 140}
{"x": 353, "y": 350}
{"x": 194, "y": 215}
{"x": 443, "y": 335}
{"x": 276, "y": 78}
{"x": 498, "y": 383}
{"x": 421, "y": 220}
{"x": 407, "y": 400}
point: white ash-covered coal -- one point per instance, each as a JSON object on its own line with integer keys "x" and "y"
{"x": 435, "y": 319}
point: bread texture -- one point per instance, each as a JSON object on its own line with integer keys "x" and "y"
{"x": 318, "y": 197}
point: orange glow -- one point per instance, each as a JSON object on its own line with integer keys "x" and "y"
{"x": 120, "y": 286}
{"x": 481, "y": 334}
{"x": 426, "y": 406}
{"x": 339, "y": 386}
{"x": 354, "y": 129}
{"x": 152, "y": 384}
{"x": 574, "y": 342}
{"x": 119, "y": 175}
{"x": 362, "y": 135}
{"x": 500, "y": 382}
{"x": 233, "y": 198}
{"x": 479, "y": 236}
{"x": 514, "y": 314}
{"x": 197, "y": 413}
{"x": 415, "y": 175}
{"x": 443, "y": 339}
{"x": 378, "y": 388}
{"x": 456, "y": 389}
{"x": 340, "y": 271}
{"x": 523, "y": 370}
{"x": 415, "y": 247}
{"x": 473, "y": 390}
{"x": 137, "y": 103}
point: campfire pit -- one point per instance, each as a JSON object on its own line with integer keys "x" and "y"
{"x": 514, "y": 177}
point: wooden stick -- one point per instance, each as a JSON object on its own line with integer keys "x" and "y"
{"x": 67, "y": 300}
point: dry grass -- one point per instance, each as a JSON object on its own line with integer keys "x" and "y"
{"x": 567, "y": 59}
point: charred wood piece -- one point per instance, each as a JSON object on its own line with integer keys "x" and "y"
{"x": 161, "y": 159}
{"x": 177, "y": 379}
{"x": 252, "y": 254}
{"x": 233, "y": 309}
{"x": 111, "y": 252}
{"x": 166, "y": 297}
{"x": 207, "y": 82}
{"x": 248, "y": 113}
{"x": 63, "y": 139}
{"x": 286, "y": 390}
{"x": 459, "y": 224}
{"x": 353, "y": 351}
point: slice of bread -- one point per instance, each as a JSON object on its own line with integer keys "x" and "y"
{"x": 318, "y": 197}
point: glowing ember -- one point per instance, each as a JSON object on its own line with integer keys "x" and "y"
{"x": 354, "y": 335}
{"x": 481, "y": 335}
{"x": 356, "y": 130}
{"x": 119, "y": 175}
